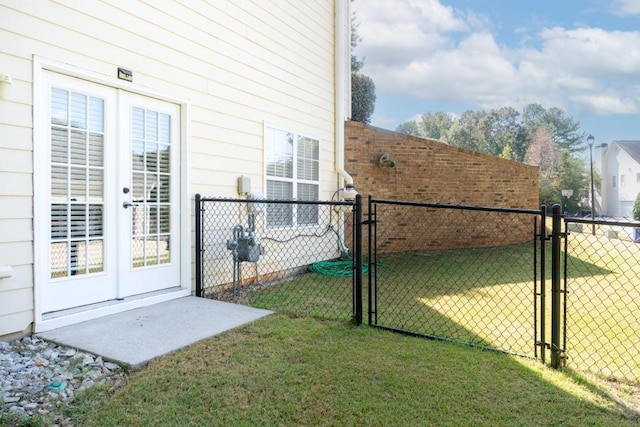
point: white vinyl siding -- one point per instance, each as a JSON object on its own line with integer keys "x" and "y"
{"x": 240, "y": 64}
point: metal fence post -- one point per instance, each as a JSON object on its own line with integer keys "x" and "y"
{"x": 358, "y": 258}
{"x": 540, "y": 295}
{"x": 198, "y": 242}
{"x": 372, "y": 260}
{"x": 556, "y": 236}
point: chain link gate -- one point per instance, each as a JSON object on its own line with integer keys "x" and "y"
{"x": 602, "y": 266}
{"x": 467, "y": 274}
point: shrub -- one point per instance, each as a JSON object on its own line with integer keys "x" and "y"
{"x": 636, "y": 208}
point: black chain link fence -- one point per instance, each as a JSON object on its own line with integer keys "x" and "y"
{"x": 286, "y": 256}
{"x": 480, "y": 276}
{"x": 457, "y": 273}
{"x": 603, "y": 302}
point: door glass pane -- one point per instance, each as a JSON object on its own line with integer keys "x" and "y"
{"x": 164, "y": 128}
{"x": 164, "y": 165}
{"x": 96, "y": 116}
{"x": 59, "y": 183}
{"x": 77, "y": 183}
{"x": 137, "y": 184}
{"x": 151, "y": 126}
{"x": 96, "y": 148}
{"x": 78, "y": 147}
{"x": 164, "y": 219}
{"x": 78, "y": 111}
{"x": 164, "y": 190}
{"x": 151, "y": 158}
{"x": 95, "y": 221}
{"x": 59, "y": 222}
{"x": 96, "y": 185}
{"x": 78, "y": 221}
{"x": 96, "y": 249}
{"x": 59, "y": 262}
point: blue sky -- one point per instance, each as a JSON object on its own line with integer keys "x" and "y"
{"x": 456, "y": 55}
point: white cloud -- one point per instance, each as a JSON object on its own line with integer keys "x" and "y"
{"x": 627, "y": 7}
{"x": 425, "y": 49}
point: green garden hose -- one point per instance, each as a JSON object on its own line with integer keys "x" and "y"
{"x": 335, "y": 268}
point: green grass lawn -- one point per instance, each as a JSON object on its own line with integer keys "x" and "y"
{"x": 298, "y": 369}
{"x": 290, "y": 371}
{"x": 485, "y": 297}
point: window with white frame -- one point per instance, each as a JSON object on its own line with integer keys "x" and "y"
{"x": 613, "y": 181}
{"x": 621, "y": 180}
{"x": 293, "y": 173}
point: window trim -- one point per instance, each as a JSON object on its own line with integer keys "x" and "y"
{"x": 294, "y": 180}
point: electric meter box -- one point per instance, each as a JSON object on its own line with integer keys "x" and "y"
{"x": 244, "y": 185}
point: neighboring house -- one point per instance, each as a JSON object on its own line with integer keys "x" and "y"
{"x": 620, "y": 181}
{"x": 114, "y": 114}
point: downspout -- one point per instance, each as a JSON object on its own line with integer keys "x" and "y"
{"x": 342, "y": 6}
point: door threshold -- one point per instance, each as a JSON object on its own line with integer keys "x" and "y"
{"x": 56, "y": 319}
{"x": 95, "y": 306}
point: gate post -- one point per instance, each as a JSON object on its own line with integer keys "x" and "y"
{"x": 358, "y": 258}
{"x": 198, "y": 232}
{"x": 556, "y": 236}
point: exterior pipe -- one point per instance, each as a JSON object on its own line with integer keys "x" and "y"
{"x": 342, "y": 8}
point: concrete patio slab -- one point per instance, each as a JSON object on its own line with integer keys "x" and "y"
{"x": 137, "y": 336}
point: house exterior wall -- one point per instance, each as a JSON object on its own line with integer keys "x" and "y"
{"x": 239, "y": 65}
{"x": 618, "y": 201}
{"x": 433, "y": 172}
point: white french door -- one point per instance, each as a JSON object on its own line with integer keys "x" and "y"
{"x": 113, "y": 194}
{"x": 149, "y": 214}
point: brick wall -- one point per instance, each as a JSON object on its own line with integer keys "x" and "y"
{"x": 433, "y": 172}
{"x": 429, "y": 171}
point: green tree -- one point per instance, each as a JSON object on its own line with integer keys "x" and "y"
{"x": 363, "y": 98}
{"x": 501, "y": 128}
{"x": 542, "y": 153}
{"x": 559, "y": 170}
{"x": 565, "y": 130}
{"x": 410, "y": 128}
{"x": 636, "y": 208}
{"x": 466, "y": 131}
{"x": 436, "y": 125}
{"x": 363, "y": 89}
{"x": 570, "y": 174}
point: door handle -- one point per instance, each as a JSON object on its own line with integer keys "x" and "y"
{"x": 128, "y": 205}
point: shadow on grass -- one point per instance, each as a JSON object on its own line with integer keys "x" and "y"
{"x": 459, "y": 270}
{"x": 445, "y": 294}
{"x": 482, "y": 297}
